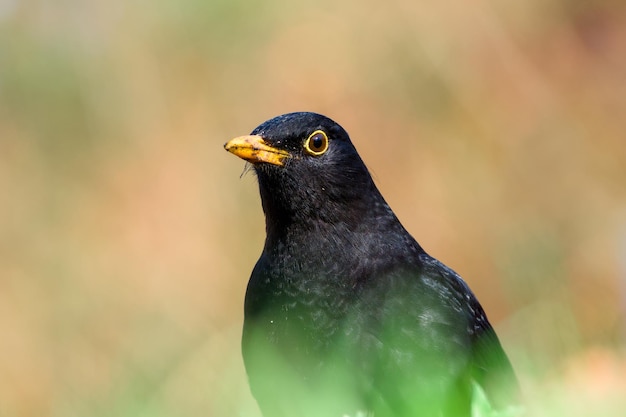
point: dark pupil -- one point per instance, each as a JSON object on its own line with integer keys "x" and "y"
{"x": 317, "y": 142}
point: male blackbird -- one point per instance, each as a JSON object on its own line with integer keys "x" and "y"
{"x": 345, "y": 313}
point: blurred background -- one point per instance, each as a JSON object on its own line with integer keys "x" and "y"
{"x": 496, "y": 131}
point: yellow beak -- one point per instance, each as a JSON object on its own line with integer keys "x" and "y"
{"x": 253, "y": 149}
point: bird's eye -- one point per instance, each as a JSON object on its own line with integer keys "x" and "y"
{"x": 317, "y": 143}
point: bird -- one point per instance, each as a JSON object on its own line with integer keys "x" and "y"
{"x": 345, "y": 314}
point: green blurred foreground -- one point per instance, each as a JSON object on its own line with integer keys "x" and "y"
{"x": 495, "y": 131}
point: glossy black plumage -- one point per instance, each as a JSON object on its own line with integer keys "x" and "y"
{"x": 345, "y": 313}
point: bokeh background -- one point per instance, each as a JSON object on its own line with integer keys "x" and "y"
{"x": 496, "y": 130}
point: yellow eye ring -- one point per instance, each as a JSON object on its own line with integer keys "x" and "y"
{"x": 317, "y": 143}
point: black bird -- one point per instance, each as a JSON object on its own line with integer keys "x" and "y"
{"x": 345, "y": 313}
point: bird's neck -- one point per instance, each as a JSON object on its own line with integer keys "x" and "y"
{"x": 323, "y": 211}
{"x": 359, "y": 227}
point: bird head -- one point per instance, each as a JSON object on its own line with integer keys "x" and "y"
{"x": 307, "y": 169}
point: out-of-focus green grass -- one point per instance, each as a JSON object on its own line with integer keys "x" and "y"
{"x": 495, "y": 131}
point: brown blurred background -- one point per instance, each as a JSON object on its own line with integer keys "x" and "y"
{"x": 496, "y": 130}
